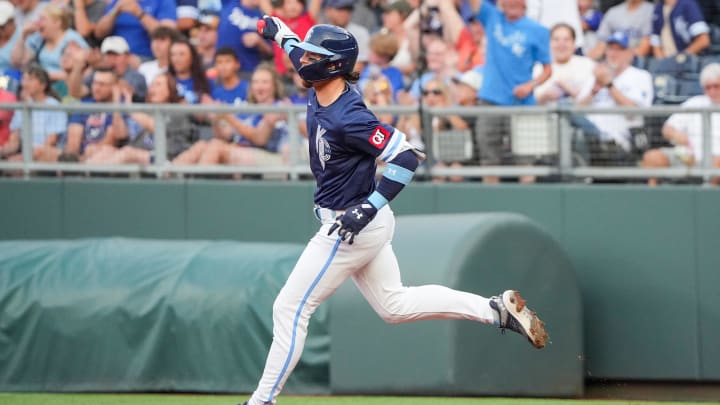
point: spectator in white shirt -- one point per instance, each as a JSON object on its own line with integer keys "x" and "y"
{"x": 685, "y": 130}
{"x": 617, "y": 84}
{"x": 160, "y": 40}
{"x": 570, "y": 72}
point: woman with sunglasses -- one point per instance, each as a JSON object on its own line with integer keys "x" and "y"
{"x": 436, "y": 94}
{"x": 357, "y": 224}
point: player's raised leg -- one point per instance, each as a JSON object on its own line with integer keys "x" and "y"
{"x": 381, "y": 285}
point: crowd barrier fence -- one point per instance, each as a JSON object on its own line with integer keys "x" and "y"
{"x": 541, "y": 141}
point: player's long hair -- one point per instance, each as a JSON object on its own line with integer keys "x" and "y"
{"x": 352, "y": 77}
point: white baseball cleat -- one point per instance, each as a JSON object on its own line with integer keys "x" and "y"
{"x": 517, "y": 317}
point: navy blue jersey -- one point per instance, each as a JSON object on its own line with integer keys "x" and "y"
{"x": 345, "y": 139}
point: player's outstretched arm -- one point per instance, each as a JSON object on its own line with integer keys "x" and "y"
{"x": 398, "y": 172}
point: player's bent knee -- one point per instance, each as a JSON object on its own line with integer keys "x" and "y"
{"x": 391, "y": 312}
{"x": 393, "y": 319}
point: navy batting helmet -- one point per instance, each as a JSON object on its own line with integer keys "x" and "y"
{"x": 338, "y": 47}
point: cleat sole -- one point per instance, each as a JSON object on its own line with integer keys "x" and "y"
{"x": 533, "y": 326}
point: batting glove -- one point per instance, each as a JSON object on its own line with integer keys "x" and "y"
{"x": 273, "y": 28}
{"x": 353, "y": 221}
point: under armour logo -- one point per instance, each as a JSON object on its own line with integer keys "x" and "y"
{"x": 357, "y": 213}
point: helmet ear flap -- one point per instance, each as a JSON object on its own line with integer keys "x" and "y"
{"x": 335, "y": 64}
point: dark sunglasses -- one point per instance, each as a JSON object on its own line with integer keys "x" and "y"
{"x": 436, "y": 92}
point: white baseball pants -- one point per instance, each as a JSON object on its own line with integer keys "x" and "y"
{"x": 323, "y": 266}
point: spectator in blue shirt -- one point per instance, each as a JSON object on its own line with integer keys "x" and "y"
{"x": 187, "y": 69}
{"x": 134, "y": 20}
{"x": 229, "y": 88}
{"x": 515, "y": 44}
{"x": 9, "y": 34}
{"x": 90, "y": 133}
{"x": 678, "y": 26}
{"x": 48, "y": 127}
{"x": 45, "y": 41}
{"x": 190, "y": 12}
{"x": 590, "y": 18}
{"x": 192, "y": 82}
{"x": 238, "y": 30}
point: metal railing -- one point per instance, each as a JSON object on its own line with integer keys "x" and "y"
{"x": 559, "y": 136}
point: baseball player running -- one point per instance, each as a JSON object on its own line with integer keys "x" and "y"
{"x": 357, "y": 224}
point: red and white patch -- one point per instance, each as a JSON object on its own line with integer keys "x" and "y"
{"x": 379, "y": 137}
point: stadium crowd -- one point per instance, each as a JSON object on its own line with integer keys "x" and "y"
{"x": 412, "y": 52}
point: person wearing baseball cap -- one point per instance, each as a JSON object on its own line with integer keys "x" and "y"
{"x": 471, "y": 80}
{"x": 467, "y": 88}
{"x": 115, "y": 54}
{"x": 114, "y": 45}
{"x": 206, "y": 38}
{"x": 619, "y": 38}
{"x": 9, "y": 34}
{"x": 618, "y": 84}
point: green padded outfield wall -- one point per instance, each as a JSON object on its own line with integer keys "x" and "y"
{"x": 647, "y": 259}
{"x": 481, "y": 253}
{"x": 118, "y": 314}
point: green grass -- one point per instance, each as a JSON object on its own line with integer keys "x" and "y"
{"x": 189, "y": 399}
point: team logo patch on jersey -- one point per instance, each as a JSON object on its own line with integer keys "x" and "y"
{"x": 322, "y": 146}
{"x": 379, "y": 137}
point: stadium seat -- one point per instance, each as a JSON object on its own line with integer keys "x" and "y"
{"x": 708, "y": 59}
{"x": 534, "y": 134}
{"x": 714, "y": 47}
{"x": 640, "y": 62}
{"x": 688, "y": 88}
{"x": 453, "y": 145}
{"x": 677, "y": 65}
{"x": 665, "y": 88}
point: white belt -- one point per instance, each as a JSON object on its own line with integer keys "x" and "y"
{"x": 326, "y": 215}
